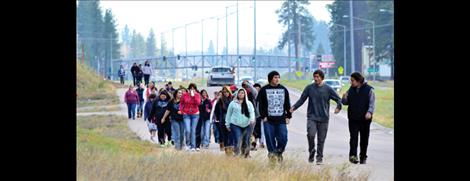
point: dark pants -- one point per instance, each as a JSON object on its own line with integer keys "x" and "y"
{"x": 216, "y": 132}
{"x": 276, "y": 137}
{"x": 139, "y": 79}
{"x": 224, "y": 136}
{"x": 198, "y": 132}
{"x": 257, "y": 130}
{"x": 134, "y": 79}
{"x": 316, "y": 128}
{"x": 122, "y": 79}
{"x": 362, "y": 128}
{"x": 146, "y": 79}
{"x": 163, "y": 129}
{"x": 241, "y": 136}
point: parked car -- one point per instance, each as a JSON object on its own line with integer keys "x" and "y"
{"x": 344, "y": 79}
{"x": 334, "y": 83}
{"x": 220, "y": 75}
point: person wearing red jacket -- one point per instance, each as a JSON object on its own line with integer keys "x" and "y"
{"x": 189, "y": 106}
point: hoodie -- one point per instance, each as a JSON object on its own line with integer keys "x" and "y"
{"x": 235, "y": 116}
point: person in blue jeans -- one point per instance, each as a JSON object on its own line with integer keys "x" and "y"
{"x": 177, "y": 121}
{"x": 240, "y": 120}
{"x": 203, "y": 128}
{"x": 151, "y": 124}
{"x": 140, "y": 92}
{"x": 189, "y": 106}
{"x": 274, "y": 109}
{"x": 131, "y": 99}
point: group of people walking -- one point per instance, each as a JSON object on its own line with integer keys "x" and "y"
{"x": 243, "y": 118}
{"x": 139, "y": 72}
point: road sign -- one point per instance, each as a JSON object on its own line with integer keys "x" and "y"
{"x": 372, "y": 70}
{"x": 340, "y": 70}
{"x": 327, "y": 64}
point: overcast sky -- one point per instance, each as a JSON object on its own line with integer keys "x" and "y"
{"x": 164, "y": 15}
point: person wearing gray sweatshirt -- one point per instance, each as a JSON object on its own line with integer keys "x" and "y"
{"x": 319, "y": 95}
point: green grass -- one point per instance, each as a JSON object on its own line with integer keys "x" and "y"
{"x": 384, "y": 98}
{"x": 100, "y": 109}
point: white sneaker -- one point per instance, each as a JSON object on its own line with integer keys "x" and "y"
{"x": 192, "y": 150}
{"x": 198, "y": 149}
{"x": 186, "y": 148}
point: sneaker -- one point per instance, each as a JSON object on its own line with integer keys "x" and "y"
{"x": 162, "y": 145}
{"x": 272, "y": 158}
{"x": 186, "y": 148}
{"x": 198, "y": 149}
{"x": 192, "y": 150}
{"x": 319, "y": 161}
{"x": 261, "y": 145}
{"x": 311, "y": 157}
{"x": 353, "y": 159}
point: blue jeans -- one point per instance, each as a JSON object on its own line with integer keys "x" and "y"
{"x": 276, "y": 137}
{"x": 190, "y": 121}
{"x": 240, "y": 136}
{"x": 140, "y": 106}
{"x": 177, "y": 133}
{"x": 131, "y": 110}
{"x": 206, "y": 132}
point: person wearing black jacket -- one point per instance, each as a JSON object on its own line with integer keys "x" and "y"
{"x": 220, "y": 111}
{"x": 139, "y": 74}
{"x": 274, "y": 109}
{"x": 134, "y": 70}
{"x": 203, "y": 125}
{"x": 361, "y": 100}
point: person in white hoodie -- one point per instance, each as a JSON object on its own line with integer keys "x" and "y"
{"x": 239, "y": 120}
{"x": 147, "y": 70}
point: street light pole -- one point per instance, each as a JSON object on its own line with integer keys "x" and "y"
{"x": 226, "y": 35}
{"x": 352, "y": 35}
{"x": 202, "y": 49}
{"x": 254, "y": 35}
{"x": 238, "y": 50}
{"x": 186, "y": 49}
{"x": 217, "y": 49}
{"x": 373, "y": 40}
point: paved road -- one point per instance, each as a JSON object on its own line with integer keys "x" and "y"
{"x": 381, "y": 152}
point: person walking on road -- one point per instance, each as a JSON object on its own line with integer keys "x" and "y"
{"x": 147, "y": 71}
{"x": 140, "y": 92}
{"x": 139, "y": 74}
{"x": 134, "y": 70}
{"x": 151, "y": 123}
{"x": 158, "y": 111}
{"x": 176, "y": 118}
{"x": 189, "y": 106}
{"x": 319, "y": 95}
{"x": 274, "y": 106}
{"x": 220, "y": 111}
{"x": 203, "y": 127}
{"x": 131, "y": 99}
{"x": 361, "y": 100}
{"x": 121, "y": 74}
{"x": 239, "y": 121}
{"x": 258, "y": 131}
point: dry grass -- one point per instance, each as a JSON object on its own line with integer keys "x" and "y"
{"x": 108, "y": 150}
{"x": 92, "y": 89}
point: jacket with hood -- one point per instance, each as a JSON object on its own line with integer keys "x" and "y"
{"x": 235, "y": 116}
{"x": 190, "y": 104}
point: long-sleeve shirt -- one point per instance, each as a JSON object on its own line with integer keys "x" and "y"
{"x": 147, "y": 70}
{"x": 318, "y": 101}
{"x": 254, "y": 92}
{"x": 274, "y": 103}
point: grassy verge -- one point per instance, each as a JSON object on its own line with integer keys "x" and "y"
{"x": 384, "y": 98}
{"x": 100, "y": 109}
{"x": 108, "y": 150}
{"x": 93, "y": 90}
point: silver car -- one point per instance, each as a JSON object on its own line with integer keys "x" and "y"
{"x": 220, "y": 75}
{"x": 334, "y": 83}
